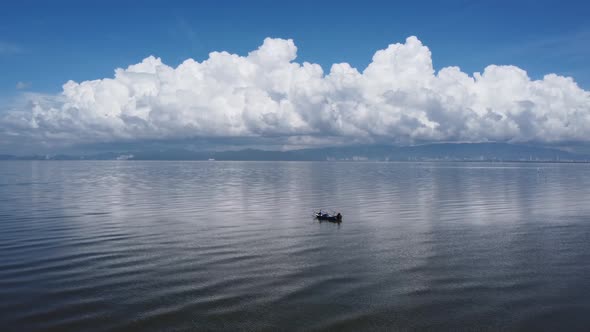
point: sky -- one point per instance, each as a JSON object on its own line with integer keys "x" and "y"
{"x": 514, "y": 71}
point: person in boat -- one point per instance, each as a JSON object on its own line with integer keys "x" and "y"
{"x": 338, "y": 216}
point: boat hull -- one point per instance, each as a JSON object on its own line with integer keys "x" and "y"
{"x": 328, "y": 218}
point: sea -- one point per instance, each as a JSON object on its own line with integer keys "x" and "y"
{"x": 233, "y": 246}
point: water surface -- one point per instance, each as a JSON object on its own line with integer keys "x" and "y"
{"x": 115, "y": 245}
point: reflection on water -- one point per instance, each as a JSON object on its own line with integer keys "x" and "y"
{"x": 233, "y": 245}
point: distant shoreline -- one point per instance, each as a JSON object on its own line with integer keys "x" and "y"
{"x": 442, "y": 152}
{"x": 317, "y": 161}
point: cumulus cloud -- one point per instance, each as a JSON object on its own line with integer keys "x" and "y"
{"x": 399, "y": 98}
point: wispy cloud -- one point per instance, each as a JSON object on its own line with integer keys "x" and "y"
{"x": 23, "y": 85}
{"x": 575, "y": 44}
{"x": 9, "y": 48}
{"x": 183, "y": 30}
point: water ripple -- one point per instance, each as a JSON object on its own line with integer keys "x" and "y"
{"x": 232, "y": 246}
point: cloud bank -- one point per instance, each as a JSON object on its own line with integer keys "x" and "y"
{"x": 398, "y": 98}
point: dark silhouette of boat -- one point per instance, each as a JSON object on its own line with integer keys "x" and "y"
{"x": 334, "y": 217}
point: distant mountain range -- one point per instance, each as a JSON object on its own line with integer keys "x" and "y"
{"x": 430, "y": 152}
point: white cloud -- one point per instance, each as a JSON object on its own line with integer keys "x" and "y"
{"x": 398, "y": 98}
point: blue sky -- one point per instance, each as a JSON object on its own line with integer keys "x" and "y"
{"x": 45, "y": 43}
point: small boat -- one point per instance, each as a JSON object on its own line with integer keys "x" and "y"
{"x": 335, "y": 217}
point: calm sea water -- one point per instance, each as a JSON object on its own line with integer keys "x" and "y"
{"x": 103, "y": 246}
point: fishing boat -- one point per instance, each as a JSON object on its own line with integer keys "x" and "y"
{"x": 335, "y": 217}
